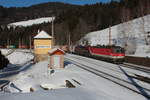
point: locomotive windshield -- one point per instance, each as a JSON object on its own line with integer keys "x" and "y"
{"x": 118, "y": 50}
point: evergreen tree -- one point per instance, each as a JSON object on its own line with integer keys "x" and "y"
{"x": 3, "y": 61}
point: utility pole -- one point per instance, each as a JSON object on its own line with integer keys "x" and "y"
{"x": 19, "y": 43}
{"x": 8, "y": 42}
{"x": 22, "y": 43}
{"x": 53, "y": 38}
{"x": 30, "y": 40}
{"x": 69, "y": 43}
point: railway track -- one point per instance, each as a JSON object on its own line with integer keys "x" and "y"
{"x": 137, "y": 67}
{"x": 127, "y": 65}
{"x": 117, "y": 69}
{"x": 140, "y": 68}
{"x": 100, "y": 65}
{"x": 135, "y": 88}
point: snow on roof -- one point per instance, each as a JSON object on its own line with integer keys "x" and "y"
{"x": 55, "y": 49}
{"x": 42, "y": 34}
{"x": 32, "y": 22}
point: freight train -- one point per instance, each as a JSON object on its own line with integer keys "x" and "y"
{"x": 110, "y": 53}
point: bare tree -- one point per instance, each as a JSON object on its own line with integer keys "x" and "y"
{"x": 80, "y": 30}
{"x": 148, "y": 7}
{"x": 126, "y": 24}
{"x": 125, "y": 31}
{"x": 141, "y": 11}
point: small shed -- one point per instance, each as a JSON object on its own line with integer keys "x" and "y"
{"x": 56, "y": 58}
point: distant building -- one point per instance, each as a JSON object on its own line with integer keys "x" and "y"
{"x": 42, "y": 44}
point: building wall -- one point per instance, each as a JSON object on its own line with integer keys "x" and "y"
{"x": 52, "y": 61}
{"x": 38, "y": 57}
{"x": 42, "y": 46}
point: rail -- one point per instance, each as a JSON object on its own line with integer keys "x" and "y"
{"x": 111, "y": 78}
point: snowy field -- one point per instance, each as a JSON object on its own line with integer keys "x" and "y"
{"x": 87, "y": 85}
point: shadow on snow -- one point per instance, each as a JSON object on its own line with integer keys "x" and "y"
{"x": 142, "y": 91}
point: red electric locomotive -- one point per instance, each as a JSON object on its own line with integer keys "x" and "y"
{"x": 109, "y": 53}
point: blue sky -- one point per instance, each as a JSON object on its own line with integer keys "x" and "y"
{"x": 24, "y": 3}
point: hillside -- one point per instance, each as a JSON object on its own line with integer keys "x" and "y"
{"x": 133, "y": 35}
{"x": 71, "y": 20}
{"x": 13, "y": 14}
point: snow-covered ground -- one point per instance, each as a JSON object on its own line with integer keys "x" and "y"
{"x": 5, "y": 51}
{"x": 87, "y": 85}
{"x": 32, "y": 22}
{"x": 19, "y": 58}
{"x": 142, "y": 51}
{"x": 132, "y": 33}
{"x": 112, "y": 69}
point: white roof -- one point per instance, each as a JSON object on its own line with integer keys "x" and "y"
{"x": 53, "y": 50}
{"x": 42, "y": 34}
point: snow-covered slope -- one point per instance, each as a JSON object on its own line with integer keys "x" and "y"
{"x": 5, "y": 51}
{"x": 19, "y": 58}
{"x": 32, "y": 22}
{"x": 132, "y": 33}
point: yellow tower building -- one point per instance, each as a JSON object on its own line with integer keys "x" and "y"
{"x": 42, "y": 44}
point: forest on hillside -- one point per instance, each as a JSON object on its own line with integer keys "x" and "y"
{"x": 72, "y": 21}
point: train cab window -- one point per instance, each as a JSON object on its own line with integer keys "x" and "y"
{"x": 118, "y": 50}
